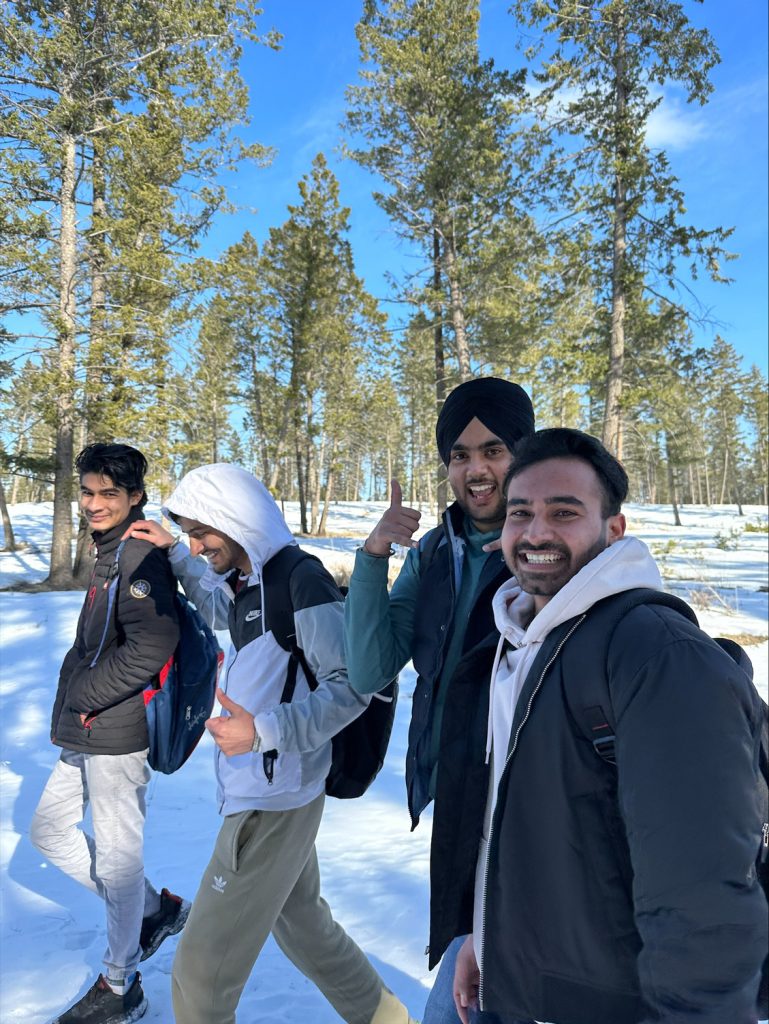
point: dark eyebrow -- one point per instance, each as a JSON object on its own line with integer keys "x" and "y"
{"x": 557, "y": 499}
{"x": 495, "y": 443}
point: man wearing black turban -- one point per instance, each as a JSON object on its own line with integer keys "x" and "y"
{"x": 438, "y": 614}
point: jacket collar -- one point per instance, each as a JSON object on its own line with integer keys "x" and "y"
{"x": 108, "y": 541}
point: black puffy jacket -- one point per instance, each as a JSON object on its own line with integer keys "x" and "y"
{"x": 616, "y": 895}
{"x": 141, "y": 635}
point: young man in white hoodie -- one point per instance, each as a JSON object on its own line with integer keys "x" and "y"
{"x": 610, "y": 893}
{"x": 263, "y": 875}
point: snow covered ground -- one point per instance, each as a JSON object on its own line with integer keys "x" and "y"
{"x": 375, "y": 871}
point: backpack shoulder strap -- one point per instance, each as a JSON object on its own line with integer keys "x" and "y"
{"x": 593, "y": 711}
{"x": 276, "y": 597}
{"x": 279, "y": 612}
{"x": 113, "y": 586}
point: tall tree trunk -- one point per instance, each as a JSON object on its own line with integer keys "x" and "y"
{"x": 724, "y": 477}
{"x": 9, "y": 543}
{"x": 330, "y": 483}
{"x": 281, "y": 436}
{"x": 83, "y": 564}
{"x": 300, "y": 482}
{"x": 412, "y": 453}
{"x": 612, "y": 423}
{"x": 97, "y": 251}
{"x": 60, "y": 574}
{"x": 319, "y": 468}
{"x": 440, "y": 362}
{"x": 97, "y": 342}
{"x": 672, "y": 483}
{"x": 457, "y": 305}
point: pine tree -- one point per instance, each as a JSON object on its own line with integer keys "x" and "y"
{"x": 723, "y": 385}
{"x": 434, "y": 122}
{"x": 756, "y": 411}
{"x": 128, "y": 106}
{"x": 602, "y": 70}
{"x": 319, "y": 324}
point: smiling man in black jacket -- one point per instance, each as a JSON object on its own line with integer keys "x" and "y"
{"x": 616, "y": 880}
{"x": 100, "y": 723}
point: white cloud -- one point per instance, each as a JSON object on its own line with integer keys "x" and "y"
{"x": 676, "y": 125}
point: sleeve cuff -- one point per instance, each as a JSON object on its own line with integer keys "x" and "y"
{"x": 178, "y": 552}
{"x": 266, "y": 725}
{"x": 370, "y": 568}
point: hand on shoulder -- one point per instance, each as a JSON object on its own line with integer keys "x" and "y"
{"x": 149, "y": 530}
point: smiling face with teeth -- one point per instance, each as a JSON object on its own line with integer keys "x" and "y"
{"x": 555, "y": 525}
{"x": 223, "y": 553}
{"x": 478, "y": 463}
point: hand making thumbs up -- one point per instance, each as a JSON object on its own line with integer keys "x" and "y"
{"x": 397, "y": 526}
{"x": 233, "y": 733}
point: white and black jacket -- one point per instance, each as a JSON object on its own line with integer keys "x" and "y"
{"x": 238, "y": 505}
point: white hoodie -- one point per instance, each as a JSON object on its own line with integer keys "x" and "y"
{"x": 624, "y": 565}
{"x": 234, "y": 502}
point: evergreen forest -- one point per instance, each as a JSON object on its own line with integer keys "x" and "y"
{"x": 549, "y": 243}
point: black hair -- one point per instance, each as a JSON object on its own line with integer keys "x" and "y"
{"x": 125, "y": 466}
{"x": 565, "y": 443}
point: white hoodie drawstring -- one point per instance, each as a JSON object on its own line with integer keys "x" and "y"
{"x": 495, "y": 666}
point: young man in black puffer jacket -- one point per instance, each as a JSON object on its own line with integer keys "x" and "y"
{"x": 617, "y": 878}
{"x": 100, "y": 723}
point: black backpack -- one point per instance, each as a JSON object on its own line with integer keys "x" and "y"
{"x": 358, "y": 750}
{"x": 595, "y": 717}
{"x": 179, "y": 699}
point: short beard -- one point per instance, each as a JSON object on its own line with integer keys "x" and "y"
{"x": 492, "y": 515}
{"x": 549, "y": 588}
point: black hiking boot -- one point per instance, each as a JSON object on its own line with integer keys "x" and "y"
{"x": 100, "y": 1005}
{"x": 167, "y": 921}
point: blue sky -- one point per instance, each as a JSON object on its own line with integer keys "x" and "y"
{"x": 718, "y": 152}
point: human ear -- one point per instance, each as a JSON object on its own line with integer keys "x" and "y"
{"x": 615, "y": 528}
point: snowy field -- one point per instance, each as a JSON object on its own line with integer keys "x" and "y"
{"x": 375, "y": 872}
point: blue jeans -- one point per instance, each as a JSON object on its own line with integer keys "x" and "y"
{"x": 111, "y": 863}
{"x": 440, "y": 1008}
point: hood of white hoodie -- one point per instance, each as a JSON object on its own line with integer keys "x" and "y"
{"x": 234, "y": 502}
{"x": 624, "y": 565}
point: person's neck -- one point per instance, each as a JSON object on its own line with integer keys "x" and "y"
{"x": 484, "y": 526}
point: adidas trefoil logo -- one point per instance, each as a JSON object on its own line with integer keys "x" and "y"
{"x": 219, "y": 883}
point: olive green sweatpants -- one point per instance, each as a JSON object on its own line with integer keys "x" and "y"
{"x": 263, "y": 877}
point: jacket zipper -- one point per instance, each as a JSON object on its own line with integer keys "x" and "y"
{"x": 218, "y": 755}
{"x": 512, "y": 750}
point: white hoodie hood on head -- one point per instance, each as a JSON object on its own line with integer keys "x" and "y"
{"x": 234, "y": 502}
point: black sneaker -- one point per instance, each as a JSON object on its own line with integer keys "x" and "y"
{"x": 167, "y": 921}
{"x": 100, "y": 1005}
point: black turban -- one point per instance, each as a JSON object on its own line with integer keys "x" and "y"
{"x": 502, "y": 407}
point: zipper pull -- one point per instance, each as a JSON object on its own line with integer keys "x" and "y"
{"x": 765, "y": 833}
